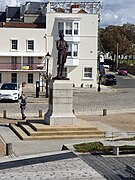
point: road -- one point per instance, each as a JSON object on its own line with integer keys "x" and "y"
{"x": 125, "y": 82}
{"x": 120, "y": 98}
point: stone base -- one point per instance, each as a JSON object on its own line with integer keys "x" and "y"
{"x": 60, "y": 111}
{"x": 60, "y": 120}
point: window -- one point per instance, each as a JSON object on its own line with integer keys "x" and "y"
{"x": 60, "y": 27}
{"x": 75, "y": 50}
{"x": 69, "y": 53}
{"x": 30, "y": 45}
{"x": 14, "y": 77}
{"x": 76, "y": 28}
{"x": 0, "y": 77}
{"x": 68, "y": 28}
{"x": 87, "y": 72}
{"x": 30, "y": 78}
{"x": 72, "y": 50}
{"x": 13, "y": 62}
{"x": 30, "y": 62}
{"x": 14, "y": 44}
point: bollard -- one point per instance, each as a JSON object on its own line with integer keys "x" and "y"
{"x": 4, "y": 114}
{"x": 116, "y": 150}
{"x": 8, "y": 149}
{"x": 40, "y": 113}
{"x": 104, "y": 112}
{"x": 37, "y": 89}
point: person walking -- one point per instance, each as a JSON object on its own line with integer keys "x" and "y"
{"x": 23, "y": 106}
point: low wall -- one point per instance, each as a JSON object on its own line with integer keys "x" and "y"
{"x": 131, "y": 69}
{"x": 2, "y": 147}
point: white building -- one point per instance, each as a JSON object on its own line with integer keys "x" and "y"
{"x": 21, "y": 51}
{"x": 23, "y": 48}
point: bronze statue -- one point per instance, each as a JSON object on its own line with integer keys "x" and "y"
{"x": 62, "y": 47}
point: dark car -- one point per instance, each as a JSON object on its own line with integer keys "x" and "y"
{"x": 122, "y": 71}
{"x": 108, "y": 79}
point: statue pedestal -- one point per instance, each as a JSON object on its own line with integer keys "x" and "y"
{"x": 60, "y": 110}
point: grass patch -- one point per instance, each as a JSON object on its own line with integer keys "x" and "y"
{"x": 96, "y": 147}
{"x": 125, "y": 139}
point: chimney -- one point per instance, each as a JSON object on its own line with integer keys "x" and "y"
{"x": 75, "y": 8}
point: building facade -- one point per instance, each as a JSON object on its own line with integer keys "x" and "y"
{"x": 24, "y": 44}
{"x": 22, "y": 54}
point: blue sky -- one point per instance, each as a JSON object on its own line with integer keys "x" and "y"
{"x": 114, "y": 12}
{"x": 117, "y": 12}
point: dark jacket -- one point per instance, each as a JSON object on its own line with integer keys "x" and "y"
{"x": 23, "y": 103}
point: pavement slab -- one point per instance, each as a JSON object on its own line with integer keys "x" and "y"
{"x": 59, "y": 166}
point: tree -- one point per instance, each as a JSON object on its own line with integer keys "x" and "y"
{"x": 123, "y": 36}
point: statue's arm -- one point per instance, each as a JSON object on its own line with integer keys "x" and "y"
{"x": 59, "y": 46}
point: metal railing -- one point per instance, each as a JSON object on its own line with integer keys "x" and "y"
{"x": 121, "y": 134}
{"x": 19, "y": 66}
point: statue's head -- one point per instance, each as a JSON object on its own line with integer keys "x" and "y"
{"x": 61, "y": 35}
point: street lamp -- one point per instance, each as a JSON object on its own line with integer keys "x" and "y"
{"x": 47, "y": 63}
{"x": 99, "y": 77}
{"x": 117, "y": 60}
{"x": 99, "y": 88}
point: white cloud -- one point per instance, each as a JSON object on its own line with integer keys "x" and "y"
{"x": 117, "y": 12}
{"x": 114, "y": 12}
{"x": 4, "y": 3}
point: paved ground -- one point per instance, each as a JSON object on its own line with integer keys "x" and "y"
{"x": 111, "y": 167}
{"x": 59, "y": 166}
{"x": 48, "y": 166}
{"x": 86, "y": 102}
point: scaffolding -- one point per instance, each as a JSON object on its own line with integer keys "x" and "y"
{"x": 93, "y": 7}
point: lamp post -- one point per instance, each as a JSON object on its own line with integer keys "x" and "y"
{"x": 117, "y": 60}
{"x": 99, "y": 88}
{"x": 47, "y": 64}
{"x": 99, "y": 77}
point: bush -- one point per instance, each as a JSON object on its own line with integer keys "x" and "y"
{"x": 94, "y": 147}
{"x": 89, "y": 147}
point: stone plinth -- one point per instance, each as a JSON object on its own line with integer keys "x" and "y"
{"x": 60, "y": 108}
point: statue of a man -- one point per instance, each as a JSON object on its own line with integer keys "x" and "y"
{"x": 62, "y": 47}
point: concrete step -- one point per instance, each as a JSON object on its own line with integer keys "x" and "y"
{"x": 42, "y": 127}
{"x": 19, "y": 132}
{"x": 66, "y": 137}
{"x": 26, "y": 128}
{"x": 37, "y": 130}
{"x": 30, "y": 132}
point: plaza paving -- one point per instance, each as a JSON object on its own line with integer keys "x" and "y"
{"x": 85, "y": 101}
{"x": 44, "y": 159}
{"x": 59, "y": 166}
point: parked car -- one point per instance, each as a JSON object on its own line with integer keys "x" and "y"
{"x": 10, "y": 91}
{"x": 108, "y": 79}
{"x": 123, "y": 71}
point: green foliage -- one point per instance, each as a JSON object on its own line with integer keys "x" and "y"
{"x": 125, "y": 139}
{"x": 127, "y": 148}
{"x": 98, "y": 147}
{"x": 123, "y": 36}
{"x": 87, "y": 147}
{"x": 127, "y": 61}
{"x": 91, "y": 147}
